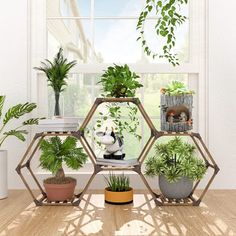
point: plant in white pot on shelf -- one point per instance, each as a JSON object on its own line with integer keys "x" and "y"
{"x": 19, "y": 132}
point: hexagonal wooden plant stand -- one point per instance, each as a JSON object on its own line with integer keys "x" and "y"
{"x": 98, "y": 167}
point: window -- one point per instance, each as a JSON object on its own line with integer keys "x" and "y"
{"x": 98, "y": 33}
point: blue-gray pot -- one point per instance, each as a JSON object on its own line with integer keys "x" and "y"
{"x": 177, "y": 190}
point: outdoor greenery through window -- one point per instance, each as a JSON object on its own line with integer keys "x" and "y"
{"x": 102, "y": 32}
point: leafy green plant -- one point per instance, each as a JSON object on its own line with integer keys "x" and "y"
{"x": 55, "y": 152}
{"x": 16, "y": 112}
{"x": 175, "y": 159}
{"x": 114, "y": 113}
{"x": 117, "y": 183}
{"x": 57, "y": 74}
{"x": 176, "y": 88}
{"x": 168, "y": 13}
{"x": 119, "y": 81}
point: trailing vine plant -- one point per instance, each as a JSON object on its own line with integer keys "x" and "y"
{"x": 169, "y": 17}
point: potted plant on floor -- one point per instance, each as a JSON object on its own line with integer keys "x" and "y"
{"x": 177, "y": 167}
{"x": 55, "y": 152}
{"x": 19, "y": 132}
{"x": 118, "y": 190}
{"x": 176, "y": 107}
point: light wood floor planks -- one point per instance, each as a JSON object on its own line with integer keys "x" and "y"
{"x": 215, "y": 216}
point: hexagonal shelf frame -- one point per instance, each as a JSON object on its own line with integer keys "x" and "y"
{"x": 98, "y": 167}
{"x": 191, "y": 200}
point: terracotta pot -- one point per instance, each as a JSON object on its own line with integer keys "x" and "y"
{"x": 118, "y": 197}
{"x": 60, "y": 192}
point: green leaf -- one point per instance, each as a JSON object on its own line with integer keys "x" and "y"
{"x": 2, "y": 100}
{"x": 18, "y": 111}
{"x": 17, "y": 133}
{"x": 32, "y": 121}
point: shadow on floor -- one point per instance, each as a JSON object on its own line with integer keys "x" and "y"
{"x": 93, "y": 217}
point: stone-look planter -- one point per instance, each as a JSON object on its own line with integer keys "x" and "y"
{"x": 60, "y": 192}
{"x": 118, "y": 198}
{"x": 177, "y": 190}
{"x": 176, "y": 112}
{"x": 3, "y": 174}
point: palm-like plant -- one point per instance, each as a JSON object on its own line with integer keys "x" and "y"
{"x": 57, "y": 74}
{"x": 175, "y": 159}
{"x": 16, "y": 112}
{"x": 55, "y": 152}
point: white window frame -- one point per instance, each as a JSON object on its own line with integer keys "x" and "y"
{"x": 196, "y": 67}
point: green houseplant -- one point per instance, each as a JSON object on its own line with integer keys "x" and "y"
{"x": 57, "y": 74}
{"x": 55, "y": 152}
{"x": 118, "y": 190}
{"x": 119, "y": 81}
{"x": 19, "y": 132}
{"x": 169, "y": 17}
{"x": 177, "y": 167}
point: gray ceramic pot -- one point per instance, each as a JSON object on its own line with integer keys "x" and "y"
{"x": 180, "y": 189}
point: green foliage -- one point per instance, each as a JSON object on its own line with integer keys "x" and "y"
{"x": 175, "y": 159}
{"x": 176, "y": 88}
{"x": 57, "y": 71}
{"x": 55, "y": 152}
{"x": 169, "y": 17}
{"x": 121, "y": 125}
{"x": 16, "y": 112}
{"x": 117, "y": 183}
{"x": 119, "y": 81}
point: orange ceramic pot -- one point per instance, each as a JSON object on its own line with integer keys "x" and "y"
{"x": 60, "y": 192}
{"x": 118, "y": 197}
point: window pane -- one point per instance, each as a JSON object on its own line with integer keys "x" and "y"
{"x": 68, "y": 8}
{"x": 152, "y": 83}
{"x": 74, "y": 36}
{"x": 115, "y": 41}
{"x": 78, "y": 97}
{"x": 117, "y": 7}
{"x": 156, "y": 43}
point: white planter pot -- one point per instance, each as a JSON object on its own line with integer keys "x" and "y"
{"x": 3, "y": 174}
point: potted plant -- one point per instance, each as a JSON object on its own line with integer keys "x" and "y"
{"x": 118, "y": 190}
{"x": 55, "y": 152}
{"x": 119, "y": 81}
{"x": 177, "y": 167}
{"x": 19, "y": 132}
{"x": 176, "y": 107}
{"x": 57, "y": 74}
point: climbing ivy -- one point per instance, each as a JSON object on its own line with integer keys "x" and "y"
{"x": 169, "y": 17}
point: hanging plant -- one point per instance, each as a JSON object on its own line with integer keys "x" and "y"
{"x": 169, "y": 17}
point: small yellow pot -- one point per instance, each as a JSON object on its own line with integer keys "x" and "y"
{"x": 118, "y": 198}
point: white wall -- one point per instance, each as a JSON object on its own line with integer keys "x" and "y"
{"x": 13, "y": 70}
{"x": 221, "y": 71}
{"x": 222, "y": 89}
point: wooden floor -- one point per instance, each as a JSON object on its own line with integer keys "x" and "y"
{"x": 215, "y": 216}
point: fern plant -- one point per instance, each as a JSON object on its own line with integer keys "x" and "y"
{"x": 12, "y": 113}
{"x": 55, "y": 152}
{"x": 176, "y": 88}
{"x": 57, "y": 74}
{"x": 117, "y": 183}
{"x": 175, "y": 159}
